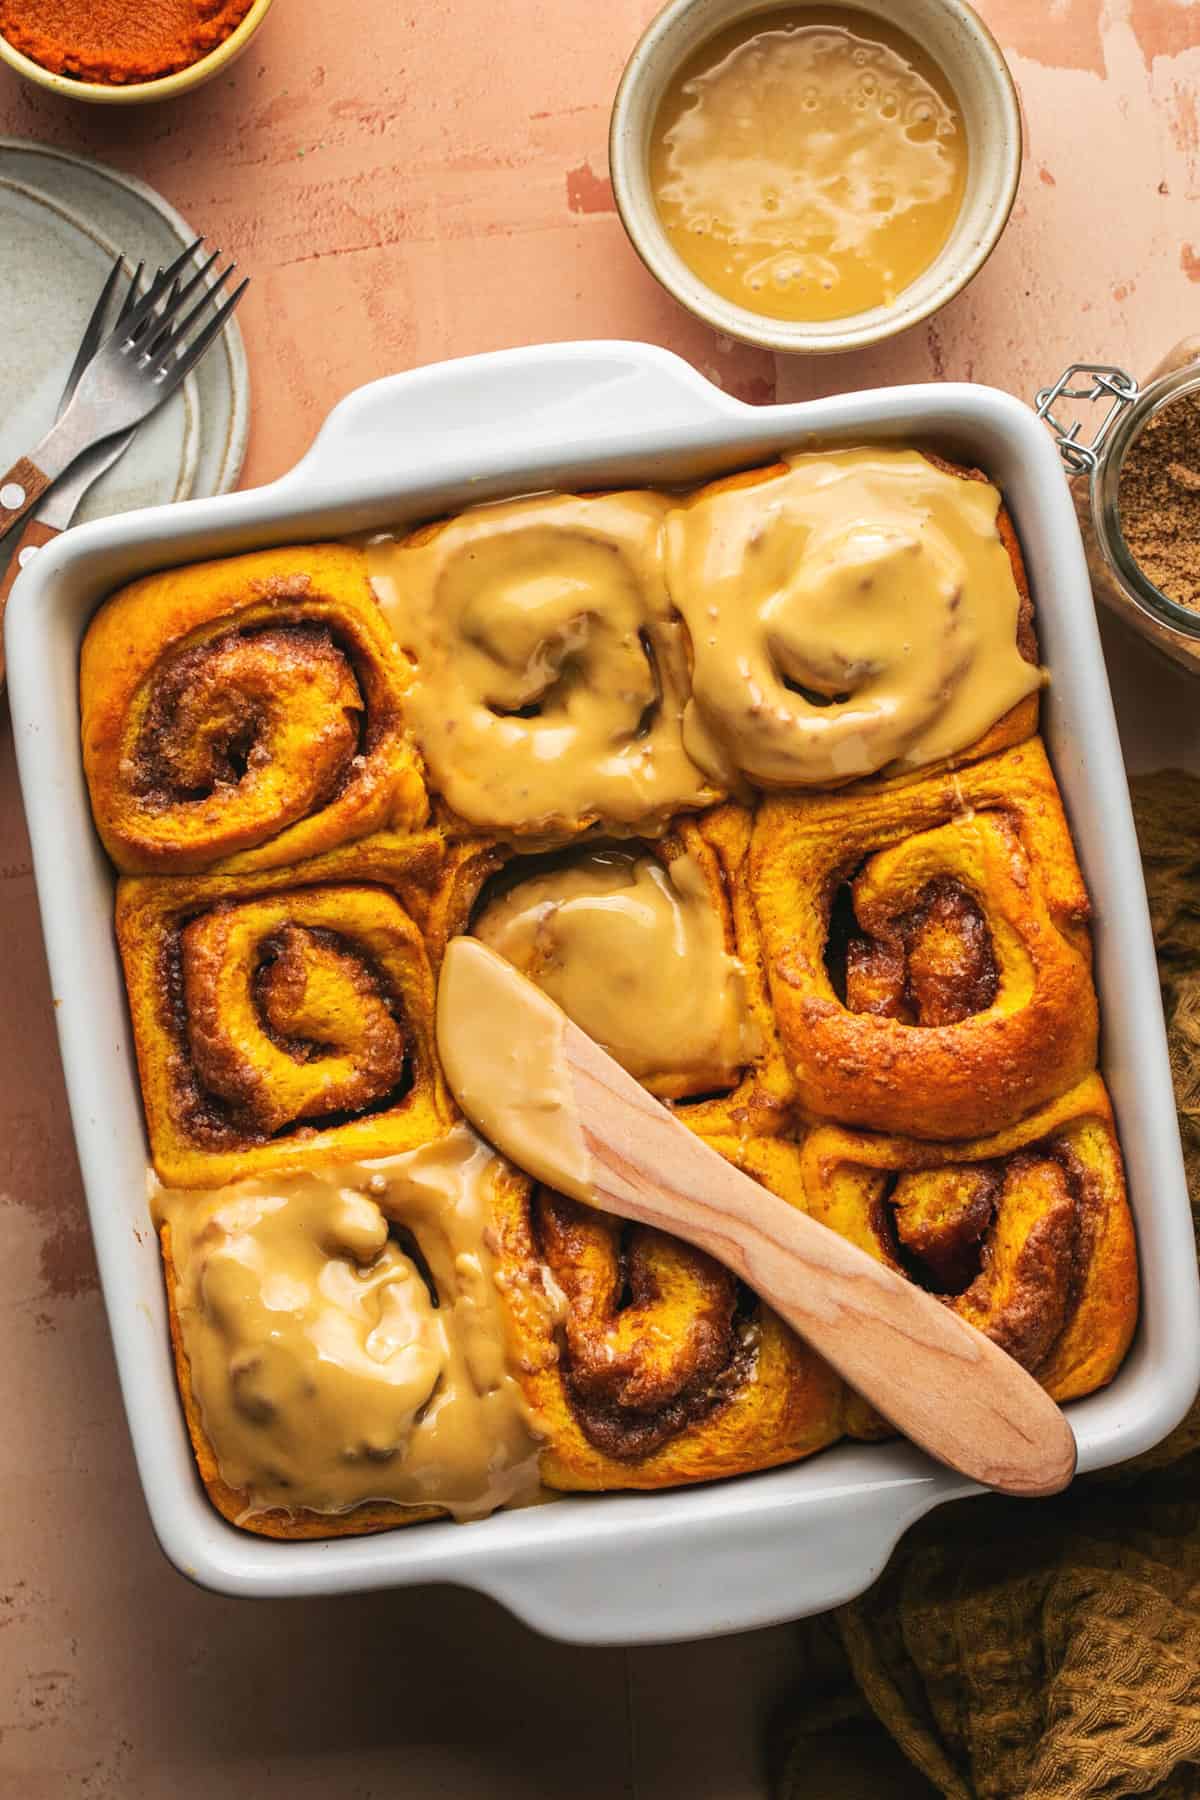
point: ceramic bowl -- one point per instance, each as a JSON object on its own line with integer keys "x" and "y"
{"x": 133, "y": 93}
{"x": 963, "y": 47}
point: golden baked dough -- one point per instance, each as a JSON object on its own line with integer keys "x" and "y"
{"x": 1026, "y": 1233}
{"x": 246, "y": 714}
{"x": 444, "y": 907}
{"x": 927, "y": 947}
{"x": 657, "y": 1368}
{"x": 763, "y": 1102}
{"x": 283, "y": 1015}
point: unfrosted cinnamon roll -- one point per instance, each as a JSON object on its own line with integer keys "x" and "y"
{"x": 850, "y": 610}
{"x": 245, "y": 714}
{"x": 646, "y": 1364}
{"x": 654, "y": 952}
{"x": 927, "y": 947}
{"x": 1025, "y": 1233}
{"x": 549, "y": 667}
{"x": 277, "y": 1021}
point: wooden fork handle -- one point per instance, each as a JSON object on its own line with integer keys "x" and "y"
{"x": 939, "y": 1380}
{"x": 20, "y": 490}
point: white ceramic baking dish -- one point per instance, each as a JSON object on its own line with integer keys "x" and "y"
{"x": 616, "y": 1568}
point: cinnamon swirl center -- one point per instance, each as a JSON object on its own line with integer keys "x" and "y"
{"x": 656, "y": 1336}
{"x": 224, "y": 720}
{"x": 931, "y": 964}
{"x": 288, "y": 1021}
{"x": 1004, "y": 1243}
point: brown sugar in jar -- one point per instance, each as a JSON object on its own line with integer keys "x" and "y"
{"x": 1158, "y": 500}
{"x": 1134, "y": 495}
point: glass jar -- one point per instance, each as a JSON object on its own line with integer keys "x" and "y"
{"x": 1095, "y": 467}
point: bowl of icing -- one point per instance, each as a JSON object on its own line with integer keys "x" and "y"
{"x": 813, "y": 178}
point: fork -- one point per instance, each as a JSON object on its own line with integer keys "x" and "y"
{"x": 60, "y": 509}
{"x": 138, "y": 366}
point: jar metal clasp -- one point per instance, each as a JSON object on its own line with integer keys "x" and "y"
{"x": 1091, "y": 384}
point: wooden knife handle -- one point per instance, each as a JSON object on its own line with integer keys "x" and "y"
{"x": 20, "y": 490}
{"x": 939, "y": 1380}
{"x": 32, "y": 539}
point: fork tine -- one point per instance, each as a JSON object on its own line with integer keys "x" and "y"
{"x": 174, "y": 334}
{"x": 185, "y": 360}
{"x": 94, "y": 333}
{"x": 151, "y": 346}
{"x": 151, "y": 328}
{"x": 148, "y": 338}
{"x": 131, "y": 297}
{"x": 158, "y": 287}
{"x": 190, "y": 287}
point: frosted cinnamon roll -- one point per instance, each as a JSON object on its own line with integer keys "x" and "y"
{"x": 549, "y": 667}
{"x": 850, "y": 610}
{"x": 340, "y": 1343}
{"x": 652, "y": 950}
{"x": 633, "y": 950}
{"x": 245, "y": 714}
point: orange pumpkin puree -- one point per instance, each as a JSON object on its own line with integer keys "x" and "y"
{"x": 115, "y": 42}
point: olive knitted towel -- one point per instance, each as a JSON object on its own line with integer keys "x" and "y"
{"x": 1036, "y": 1652}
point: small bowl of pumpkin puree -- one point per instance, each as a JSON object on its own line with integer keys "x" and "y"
{"x": 121, "y": 52}
{"x": 815, "y": 177}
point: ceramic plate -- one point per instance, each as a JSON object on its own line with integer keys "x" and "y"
{"x": 63, "y": 219}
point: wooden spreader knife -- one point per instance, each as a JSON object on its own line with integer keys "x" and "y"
{"x": 562, "y": 1109}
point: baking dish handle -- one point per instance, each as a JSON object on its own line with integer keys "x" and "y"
{"x": 498, "y": 411}
{"x": 733, "y": 1565}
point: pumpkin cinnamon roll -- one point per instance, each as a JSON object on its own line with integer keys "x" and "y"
{"x": 340, "y": 1342}
{"x": 654, "y": 951}
{"x": 246, "y": 714}
{"x": 927, "y": 947}
{"x": 644, "y": 1362}
{"x": 1025, "y": 1233}
{"x": 550, "y": 669}
{"x": 851, "y": 611}
{"x": 277, "y": 1020}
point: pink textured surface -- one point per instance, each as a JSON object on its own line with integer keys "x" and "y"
{"x": 412, "y": 182}
{"x": 405, "y": 183}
